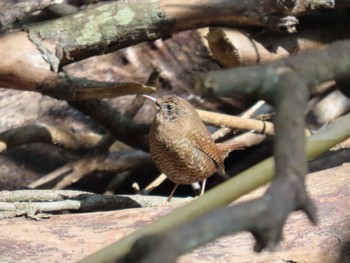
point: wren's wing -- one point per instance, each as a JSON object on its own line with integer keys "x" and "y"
{"x": 203, "y": 141}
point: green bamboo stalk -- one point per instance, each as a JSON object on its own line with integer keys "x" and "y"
{"x": 225, "y": 193}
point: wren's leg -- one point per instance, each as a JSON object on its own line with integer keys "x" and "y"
{"x": 203, "y": 187}
{"x": 172, "y": 193}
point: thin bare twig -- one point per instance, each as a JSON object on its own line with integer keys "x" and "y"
{"x": 154, "y": 184}
{"x": 254, "y": 110}
{"x": 234, "y": 122}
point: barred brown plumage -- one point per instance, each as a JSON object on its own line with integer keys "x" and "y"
{"x": 181, "y": 145}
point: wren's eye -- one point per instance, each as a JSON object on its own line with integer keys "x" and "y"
{"x": 169, "y": 107}
{"x": 169, "y": 111}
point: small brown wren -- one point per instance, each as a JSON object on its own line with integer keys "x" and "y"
{"x": 181, "y": 145}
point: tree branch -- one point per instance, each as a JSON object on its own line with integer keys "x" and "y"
{"x": 243, "y": 183}
{"x": 45, "y": 133}
{"x": 117, "y": 26}
{"x": 314, "y": 67}
{"x": 17, "y": 11}
{"x": 121, "y": 127}
{"x": 233, "y": 122}
{"x": 234, "y": 47}
{"x": 114, "y": 162}
{"x": 56, "y": 43}
{"x": 32, "y": 202}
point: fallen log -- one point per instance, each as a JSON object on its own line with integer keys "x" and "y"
{"x": 71, "y": 237}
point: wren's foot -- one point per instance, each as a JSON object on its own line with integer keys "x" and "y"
{"x": 203, "y": 187}
{"x": 172, "y": 193}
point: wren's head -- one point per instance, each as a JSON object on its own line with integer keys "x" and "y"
{"x": 173, "y": 108}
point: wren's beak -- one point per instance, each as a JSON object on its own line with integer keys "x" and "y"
{"x": 152, "y": 99}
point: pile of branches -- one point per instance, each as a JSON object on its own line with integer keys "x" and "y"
{"x": 261, "y": 37}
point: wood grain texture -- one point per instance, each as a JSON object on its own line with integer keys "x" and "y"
{"x": 68, "y": 238}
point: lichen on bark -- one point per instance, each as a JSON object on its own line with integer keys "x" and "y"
{"x": 98, "y": 30}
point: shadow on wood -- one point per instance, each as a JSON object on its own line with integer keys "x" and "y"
{"x": 71, "y": 237}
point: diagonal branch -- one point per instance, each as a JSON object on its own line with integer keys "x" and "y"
{"x": 260, "y": 216}
{"x": 114, "y": 162}
{"x": 241, "y": 184}
{"x": 287, "y": 84}
{"x": 121, "y": 127}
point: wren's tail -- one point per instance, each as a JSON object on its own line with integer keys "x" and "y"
{"x": 227, "y": 147}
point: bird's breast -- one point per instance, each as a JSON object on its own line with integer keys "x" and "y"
{"x": 179, "y": 159}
